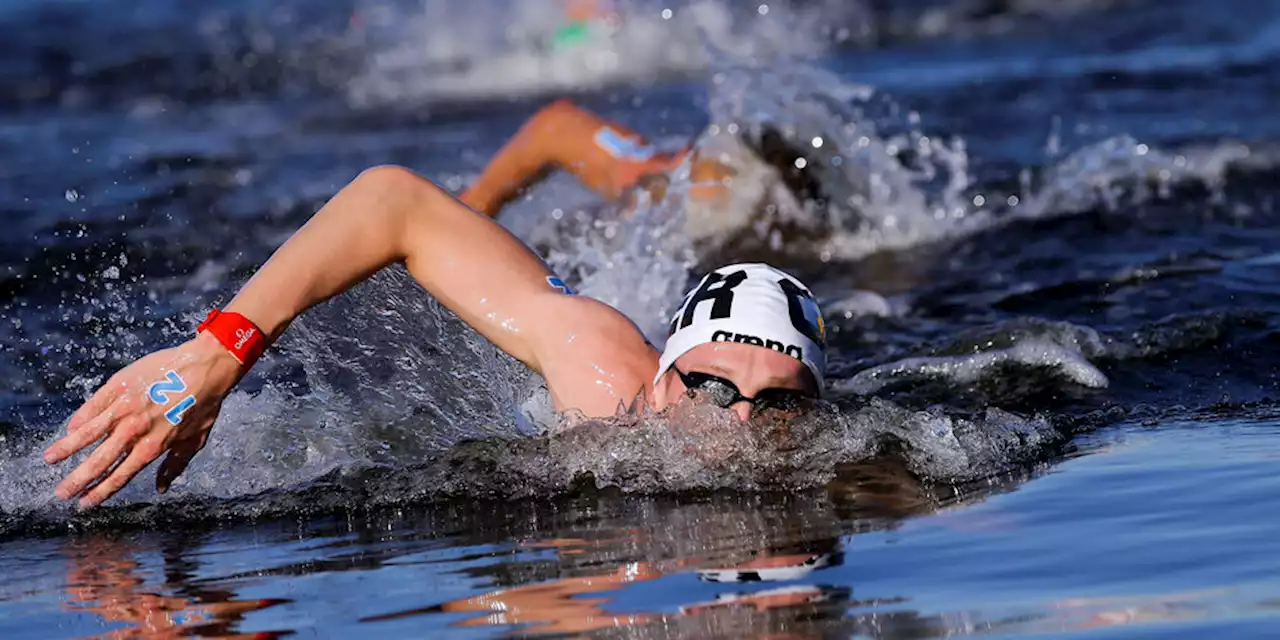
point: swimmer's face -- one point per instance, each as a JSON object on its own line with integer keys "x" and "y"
{"x": 778, "y": 383}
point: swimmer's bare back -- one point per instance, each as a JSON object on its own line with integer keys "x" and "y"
{"x": 593, "y": 358}
{"x": 604, "y": 156}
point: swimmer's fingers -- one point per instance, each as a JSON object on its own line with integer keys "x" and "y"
{"x": 86, "y": 432}
{"x": 96, "y": 404}
{"x": 102, "y": 458}
{"x": 180, "y": 455}
{"x": 165, "y": 397}
{"x": 147, "y": 449}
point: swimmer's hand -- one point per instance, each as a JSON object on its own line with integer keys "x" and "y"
{"x": 132, "y": 418}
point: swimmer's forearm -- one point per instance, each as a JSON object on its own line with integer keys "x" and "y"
{"x": 354, "y": 235}
{"x": 560, "y": 136}
{"x": 519, "y": 165}
{"x": 470, "y": 263}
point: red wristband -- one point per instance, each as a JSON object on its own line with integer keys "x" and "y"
{"x": 240, "y": 336}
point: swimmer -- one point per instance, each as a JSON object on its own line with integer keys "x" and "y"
{"x": 738, "y": 176}
{"x": 582, "y": 18}
{"x": 748, "y": 338}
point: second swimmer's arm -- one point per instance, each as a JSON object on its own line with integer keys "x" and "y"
{"x": 561, "y": 135}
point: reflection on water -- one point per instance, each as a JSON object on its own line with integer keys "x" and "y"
{"x": 768, "y": 581}
{"x": 757, "y": 561}
{"x": 877, "y": 554}
{"x": 768, "y": 540}
{"x": 555, "y": 567}
{"x": 105, "y": 579}
{"x": 579, "y": 604}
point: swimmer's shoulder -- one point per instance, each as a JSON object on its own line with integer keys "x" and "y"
{"x": 593, "y": 357}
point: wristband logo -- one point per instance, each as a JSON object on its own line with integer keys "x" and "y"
{"x": 159, "y": 392}
{"x": 243, "y": 336}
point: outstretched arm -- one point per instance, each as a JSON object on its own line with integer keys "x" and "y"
{"x": 470, "y": 263}
{"x": 606, "y": 157}
{"x": 389, "y": 215}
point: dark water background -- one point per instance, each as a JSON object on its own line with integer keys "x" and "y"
{"x": 1055, "y": 338}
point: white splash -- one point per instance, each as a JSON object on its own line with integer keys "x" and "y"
{"x": 967, "y": 369}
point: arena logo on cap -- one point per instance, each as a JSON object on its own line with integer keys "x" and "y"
{"x": 789, "y": 349}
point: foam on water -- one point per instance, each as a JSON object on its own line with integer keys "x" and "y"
{"x": 688, "y": 449}
{"x": 971, "y": 368}
{"x": 702, "y": 449}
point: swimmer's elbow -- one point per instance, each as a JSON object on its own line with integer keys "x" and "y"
{"x": 557, "y": 112}
{"x": 398, "y": 199}
{"x": 392, "y": 183}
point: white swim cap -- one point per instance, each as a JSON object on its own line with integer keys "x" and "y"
{"x": 768, "y": 574}
{"x": 752, "y": 304}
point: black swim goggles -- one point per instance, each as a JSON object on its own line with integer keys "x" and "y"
{"x": 724, "y": 394}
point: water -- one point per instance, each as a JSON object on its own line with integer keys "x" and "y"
{"x": 1050, "y": 280}
{"x": 1129, "y": 536}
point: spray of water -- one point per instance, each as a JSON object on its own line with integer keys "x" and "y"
{"x": 891, "y": 186}
{"x": 487, "y": 49}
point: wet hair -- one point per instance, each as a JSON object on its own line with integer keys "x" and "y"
{"x": 782, "y": 154}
